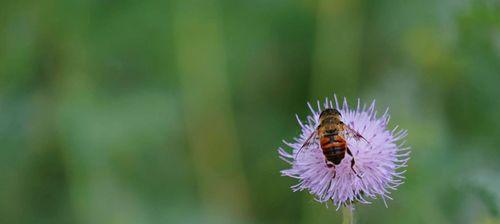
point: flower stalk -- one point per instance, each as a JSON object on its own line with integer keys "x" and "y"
{"x": 348, "y": 214}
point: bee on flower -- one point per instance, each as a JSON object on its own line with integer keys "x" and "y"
{"x": 346, "y": 155}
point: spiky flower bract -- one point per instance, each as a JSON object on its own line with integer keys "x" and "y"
{"x": 380, "y": 160}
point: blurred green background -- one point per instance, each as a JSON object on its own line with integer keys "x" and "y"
{"x": 172, "y": 111}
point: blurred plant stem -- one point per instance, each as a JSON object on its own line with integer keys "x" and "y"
{"x": 336, "y": 57}
{"x": 348, "y": 214}
{"x": 211, "y": 131}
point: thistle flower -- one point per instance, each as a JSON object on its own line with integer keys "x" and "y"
{"x": 379, "y": 159}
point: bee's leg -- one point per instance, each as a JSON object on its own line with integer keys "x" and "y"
{"x": 328, "y": 163}
{"x": 352, "y": 163}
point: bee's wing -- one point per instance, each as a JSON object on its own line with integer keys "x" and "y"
{"x": 307, "y": 142}
{"x": 354, "y": 133}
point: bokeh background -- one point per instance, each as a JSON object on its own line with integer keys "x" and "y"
{"x": 172, "y": 111}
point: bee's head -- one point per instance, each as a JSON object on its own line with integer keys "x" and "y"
{"x": 329, "y": 113}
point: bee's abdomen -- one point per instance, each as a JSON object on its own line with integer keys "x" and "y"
{"x": 334, "y": 148}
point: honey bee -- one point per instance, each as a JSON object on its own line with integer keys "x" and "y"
{"x": 331, "y": 133}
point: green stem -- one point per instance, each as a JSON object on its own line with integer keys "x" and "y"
{"x": 348, "y": 214}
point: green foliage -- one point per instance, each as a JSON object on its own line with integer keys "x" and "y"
{"x": 171, "y": 112}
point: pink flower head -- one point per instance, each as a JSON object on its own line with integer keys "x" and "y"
{"x": 378, "y": 161}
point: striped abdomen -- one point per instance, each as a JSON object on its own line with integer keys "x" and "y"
{"x": 334, "y": 146}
